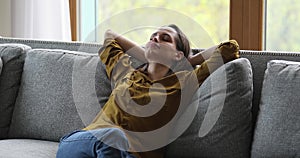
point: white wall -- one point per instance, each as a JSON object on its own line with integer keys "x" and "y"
{"x": 5, "y": 18}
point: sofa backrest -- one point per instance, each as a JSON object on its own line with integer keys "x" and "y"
{"x": 259, "y": 60}
{"x": 46, "y": 44}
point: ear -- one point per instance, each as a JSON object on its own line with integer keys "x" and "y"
{"x": 179, "y": 55}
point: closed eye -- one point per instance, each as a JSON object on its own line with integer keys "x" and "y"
{"x": 166, "y": 38}
{"x": 163, "y": 37}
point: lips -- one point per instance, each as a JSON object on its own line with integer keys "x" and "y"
{"x": 153, "y": 45}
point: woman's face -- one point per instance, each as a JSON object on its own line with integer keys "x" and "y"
{"x": 162, "y": 47}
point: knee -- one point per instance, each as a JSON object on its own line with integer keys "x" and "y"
{"x": 75, "y": 144}
{"x": 116, "y": 133}
{"x": 114, "y": 137}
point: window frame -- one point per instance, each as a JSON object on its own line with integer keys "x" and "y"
{"x": 246, "y": 22}
{"x": 73, "y": 18}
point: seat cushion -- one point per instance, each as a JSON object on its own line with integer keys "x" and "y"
{"x": 12, "y": 56}
{"x": 221, "y": 125}
{"x": 277, "y": 132}
{"x": 27, "y": 148}
{"x": 61, "y": 91}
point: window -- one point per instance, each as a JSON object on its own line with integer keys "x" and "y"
{"x": 282, "y": 25}
{"x": 87, "y": 20}
{"x": 206, "y": 22}
{"x": 245, "y": 17}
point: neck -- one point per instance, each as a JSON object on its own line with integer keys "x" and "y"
{"x": 157, "y": 71}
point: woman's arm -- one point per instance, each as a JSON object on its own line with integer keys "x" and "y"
{"x": 130, "y": 47}
{"x": 200, "y": 57}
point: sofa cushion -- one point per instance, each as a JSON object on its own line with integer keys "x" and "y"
{"x": 60, "y": 91}
{"x": 222, "y": 125}
{"x": 12, "y": 56}
{"x": 277, "y": 132}
{"x": 27, "y": 148}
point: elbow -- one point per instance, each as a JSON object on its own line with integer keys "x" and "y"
{"x": 109, "y": 34}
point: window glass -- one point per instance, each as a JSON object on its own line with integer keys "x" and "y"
{"x": 87, "y": 20}
{"x": 282, "y": 25}
{"x": 205, "y": 22}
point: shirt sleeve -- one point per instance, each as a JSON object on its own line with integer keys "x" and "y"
{"x": 116, "y": 62}
{"x": 224, "y": 53}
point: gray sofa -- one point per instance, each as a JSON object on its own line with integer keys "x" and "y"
{"x": 249, "y": 107}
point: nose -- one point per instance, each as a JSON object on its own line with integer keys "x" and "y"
{"x": 155, "y": 38}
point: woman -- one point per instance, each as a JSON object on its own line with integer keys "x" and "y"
{"x": 144, "y": 99}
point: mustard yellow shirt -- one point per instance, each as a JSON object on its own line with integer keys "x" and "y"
{"x": 139, "y": 104}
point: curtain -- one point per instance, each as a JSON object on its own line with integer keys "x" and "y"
{"x": 41, "y": 19}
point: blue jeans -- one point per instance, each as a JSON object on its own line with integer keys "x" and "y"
{"x": 99, "y": 143}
